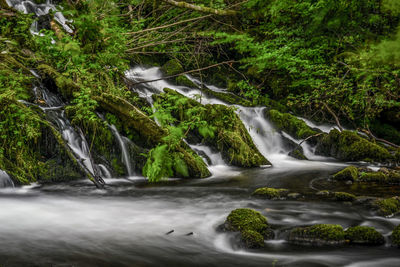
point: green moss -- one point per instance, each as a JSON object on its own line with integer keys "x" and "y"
{"x": 290, "y": 124}
{"x": 244, "y": 220}
{"x": 172, "y": 67}
{"x": 320, "y": 234}
{"x": 387, "y": 206}
{"x": 349, "y": 173}
{"x": 270, "y": 193}
{"x": 228, "y": 98}
{"x": 343, "y": 196}
{"x": 348, "y": 146}
{"x": 297, "y": 153}
{"x": 378, "y": 177}
{"x": 393, "y": 177}
{"x": 183, "y": 80}
{"x": 395, "y": 237}
{"x": 252, "y": 239}
{"x": 364, "y": 235}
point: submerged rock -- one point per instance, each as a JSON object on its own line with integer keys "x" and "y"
{"x": 349, "y": 173}
{"x": 253, "y": 227}
{"x": 395, "y": 237}
{"x": 270, "y": 193}
{"x": 349, "y": 146}
{"x": 343, "y": 196}
{"x": 364, "y": 235}
{"x": 318, "y": 235}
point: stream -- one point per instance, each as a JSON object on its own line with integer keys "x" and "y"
{"x": 173, "y": 223}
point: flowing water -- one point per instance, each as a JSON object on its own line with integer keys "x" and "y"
{"x": 173, "y": 223}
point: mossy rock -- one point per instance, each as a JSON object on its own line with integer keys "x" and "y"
{"x": 270, "y": 193}
{"x": 343, "y": 196}
{"x": 318, "y": 235}
{"x": 393, "y": 177}
{"x": 395, "y": 237}
{"x": 378, "y": 177}
{"x": 184, "y": 81}
{"x": 349, "y": 173}
{"x": 349, "y": 146}
{"x": 290, "y": 124}
{"x": 252, "y": 239}
{"x": 364, "y": 235}
{"x": 388, "y": 206}
{"x": 298, "y": 153}
{"x": 172, "y": 67}
{"x": 241, "y": 220}
{"x": 229, "y": 98}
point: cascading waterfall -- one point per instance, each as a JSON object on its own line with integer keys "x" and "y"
{"x": 123, "y": 142}
{"x": 28, "y": 7}
{"x": 268, "y": 140}
{"x": 75, "y": 140}
{"x": 5, "y": 180}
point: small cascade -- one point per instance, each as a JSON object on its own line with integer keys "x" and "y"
{"x": 28, "y": 7}
{"x": 53, "y": 106}
{"x": 5, "y": 180}
{"x": 123, "y": 142}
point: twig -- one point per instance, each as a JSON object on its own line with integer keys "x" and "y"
{"x": 371, "y": 135}
{"x": 334, "y": 116}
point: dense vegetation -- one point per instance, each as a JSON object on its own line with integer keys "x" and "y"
{"x": 328, "y": 60}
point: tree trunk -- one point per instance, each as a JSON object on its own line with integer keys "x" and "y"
{"x": 202, "y": 9}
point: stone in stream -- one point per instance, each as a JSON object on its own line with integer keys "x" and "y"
{"x": 395, "y": 237}
{"x": 349, "y": 173}
{"x": 318, "y": 235}
{"x": 343, "y": 196}
{"x": 253, "y": 227}
{"x": 364, "y": 235}
{"x": 388, "y": 206}
{"x": 270, "y": 193}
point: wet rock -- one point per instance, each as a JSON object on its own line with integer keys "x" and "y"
{"x": 270, "y": 193}
{"x": 294, "y": 196}
{"x": 364, "y": 235}
{"x": 292, "y": 125}
{"x": 378, "y": 177}
{"x": 298, "y": 153}
{"x": 349, "y": 173}
{"x": 323, "y": 193}
{"x": 343, "y": 196}
{"x": 253, "y": 227}
{"x": 349, "y": 146}
{"x": 317, "y": 235}
{"x": 395, "y": 237}
{"x": 388, "y": 206}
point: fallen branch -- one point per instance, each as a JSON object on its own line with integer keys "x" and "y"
{"x": 334, "y": 116}
{"x": 202, "y": 9}
{"x": 308, "y": 138}
{"x": 371, "y": 135}
{"x": 131, "y": 83}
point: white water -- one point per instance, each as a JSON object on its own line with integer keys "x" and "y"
{"x": 268, "y": 141}
{"x": 28, "y": 7}
{"x": 5, "y": 180}
{"x": 124, "y": 150}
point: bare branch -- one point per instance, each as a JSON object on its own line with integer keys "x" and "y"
{"x": 202, "y": 9}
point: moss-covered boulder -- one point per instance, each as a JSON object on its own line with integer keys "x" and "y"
{"x": 318, "y": 235}
{"x": 230, "y": 136}
{"x": 388, "y": 206}
{"x": 349, "y": 173}
{"x": 252, "y": 226}
{"x": 270, "y": 193}
{"x": 298, "y": 153}
{"x": 343, "y": 196}
{"x": 228, "y": 97}
{"x": 364, "y": 235}
{"x": 378, "y": 177}
{"x": 172, "y": 67}
{"x": 349, "y": 146}
{"x": 290, "y": 124}
{"x": 395, "y": 237}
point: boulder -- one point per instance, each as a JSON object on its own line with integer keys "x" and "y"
{"x": 395, "y": 237}
{"x": 270, "y": 193}
{"x": 364, "y": 235}
{"x": 349, "y": 173}
{"x": 318, "y": 235}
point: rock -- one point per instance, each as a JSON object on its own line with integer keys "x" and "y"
{"x": 323, "y": 193}
{"x": 349, "y": 173}
{"x": 364, "y": 235}
{"x": 343, "y": 196}
{"x": 253, "y": 227}
{"x": 270, "y": 193}
{"x": 349, "y": 146}
{"x": 292, "y": 125}
{"x": 293, "y": 195}
{"x": 395, "y": 237}
{"x": 318, "y": 235}
{"x": 298, "y": 153}
{"x": 388, "y": 206}
{"x": 378, "y": 177}
{"x": 172, "y": 67}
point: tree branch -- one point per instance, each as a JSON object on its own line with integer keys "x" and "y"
{"x": 334, "y": 116}
{"x": 202, "y": 9}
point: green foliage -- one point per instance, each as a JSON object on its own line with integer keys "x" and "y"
{"x": 159, "y": 164}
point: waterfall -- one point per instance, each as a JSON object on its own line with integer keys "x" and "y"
{"x": 124, "y": 150}
{"x": 28, "y": 7}
{"x": 75, "y": 139}
{"x": 5, "y": 180}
